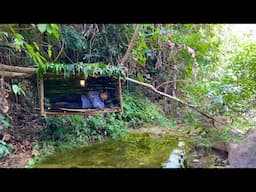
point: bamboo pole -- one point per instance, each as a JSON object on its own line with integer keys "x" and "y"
{"x": 41, "y": 96}
{"x": 120, "y": 94}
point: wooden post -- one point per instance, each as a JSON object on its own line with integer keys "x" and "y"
{"x": 120, "y": 94}
{"x": 41, "y": 96}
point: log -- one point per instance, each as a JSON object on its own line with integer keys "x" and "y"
{"x": 159, "y": 92}
{"x": 66, "y": 111}
{"x": 14, "y": 74}
{"x": 41, "y": 96}
{"x": 11, "y": 68}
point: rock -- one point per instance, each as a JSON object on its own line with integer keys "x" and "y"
{"x": 6, "y": 137}
{"x": 221, "y": 146}
{"x": 195, "y": 161}
{"x": 243, "y": 155}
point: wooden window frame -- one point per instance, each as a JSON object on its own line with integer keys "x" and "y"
{"x": 82, "y": 111}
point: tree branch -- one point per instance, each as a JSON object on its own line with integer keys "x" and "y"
{"x": 17, "y": 69}
{"x": 62, "y": 48}
{"x": 167, "y": 82}
{"x": 159, "y": 92}
{"x": 127, "y": 54}
{"x": 183, "y": 103}
{"x": 14, "y": 74}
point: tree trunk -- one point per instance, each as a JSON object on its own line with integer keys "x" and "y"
{"x": 131, "y": 44}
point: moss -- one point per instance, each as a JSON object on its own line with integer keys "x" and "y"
{"x": 140, "y": 150}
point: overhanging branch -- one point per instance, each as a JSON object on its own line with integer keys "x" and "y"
{"x": 13, "y": 74}
{"x": 17, "y": 69}
{"x": 183, "y": 103}
{"x": 159, "y": 92}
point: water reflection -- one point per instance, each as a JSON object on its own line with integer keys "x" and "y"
{"x": 132, "y": 151}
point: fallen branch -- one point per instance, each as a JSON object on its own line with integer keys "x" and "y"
{"x": 183, "y": 103}
{"x": 159, "y": 92}
{"x": 17, "y": 69}
{"x": 14, "y": 74}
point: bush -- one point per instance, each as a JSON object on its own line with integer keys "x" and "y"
{"x": 139, "y": 110}
{"x": 5, "y": 148}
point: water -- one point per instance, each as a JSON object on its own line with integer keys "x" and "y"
{"x": 177, "y": 157}
{"x": 132, "y": 151}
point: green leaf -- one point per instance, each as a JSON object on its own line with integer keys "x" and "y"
{"x": 3, "y": 121}
{"x": 49, "y": 29}
{"x": 3, "y": 33}
{"x": 37, "y": 48}
{"x": 49, "y": 51}
{"x": 42, "y": 27}
{"x": 15, "y": 89}
{"x": 140, "y": 77}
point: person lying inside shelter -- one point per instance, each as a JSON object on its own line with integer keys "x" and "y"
{"x": 89, "y": 100}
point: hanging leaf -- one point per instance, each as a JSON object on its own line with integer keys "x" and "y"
{"x": 49, "y": 51}
{"x": 36, "y": 46}
{"x": 42, "y": 27}
{"x": 17, "y": 89}
{"x": 89, "y": 69}
{"x": 49, "y": 29}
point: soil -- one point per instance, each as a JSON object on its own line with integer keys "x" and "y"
{"x": 15, "y": 160}
{"x": 22, "y": 136}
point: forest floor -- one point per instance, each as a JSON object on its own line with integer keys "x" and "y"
{"x": 22, "y": 148}
{"x": 22, "y": 136}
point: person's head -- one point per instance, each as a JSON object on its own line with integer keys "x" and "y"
{"x": 104, "y": 95}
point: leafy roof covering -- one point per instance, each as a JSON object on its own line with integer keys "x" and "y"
{"x": 86, "y": 69}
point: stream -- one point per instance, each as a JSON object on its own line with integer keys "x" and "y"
{"x": 135, "y": 150}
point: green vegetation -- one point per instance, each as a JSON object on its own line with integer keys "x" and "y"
{"x": 3, "y": 122}
{"x": 5, "y": 148}
{"x": 89, "y": 69}
{"x": 139, "y": 110}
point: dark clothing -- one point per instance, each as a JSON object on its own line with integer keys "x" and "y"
{"x": 77, "y": 101}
